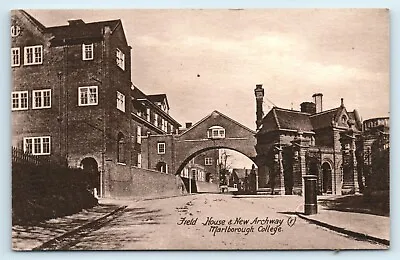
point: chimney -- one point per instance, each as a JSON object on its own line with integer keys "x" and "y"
{"x": 188, "y": 125}
{"x": 259, "y": 93}
{"x": 76, "y": 22}
{"x": 318, "y": 102}
{"x": 308, "y": 107}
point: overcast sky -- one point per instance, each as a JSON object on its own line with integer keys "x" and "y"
{"x": 207, "y": 60}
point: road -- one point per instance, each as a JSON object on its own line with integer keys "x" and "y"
{"x": 181, "y": 223}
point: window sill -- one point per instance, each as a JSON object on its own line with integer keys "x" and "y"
{"x": 120, "y": 163}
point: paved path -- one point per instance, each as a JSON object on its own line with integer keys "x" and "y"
{"x": 153, "y": 224}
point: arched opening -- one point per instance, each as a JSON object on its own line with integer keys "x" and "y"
{"x": 121, "y": 148}
{"x": 215, "y": 166}
{"x": 326, "y": 178}
{"x": 90, "y": 168}
{"x": 162, "y": 167}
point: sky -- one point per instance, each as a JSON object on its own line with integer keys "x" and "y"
{"x": 207, "y": 60}
{"x": 211, "y": 59}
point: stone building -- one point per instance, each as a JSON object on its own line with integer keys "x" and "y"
{"x": 291, "y": 144}
{"x": 73, "y": 99}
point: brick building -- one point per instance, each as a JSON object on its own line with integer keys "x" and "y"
{"x": 73, "y": 99}
{"x": 313, "y": 141}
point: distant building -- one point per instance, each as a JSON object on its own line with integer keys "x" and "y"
{"x": 73, "y": 99}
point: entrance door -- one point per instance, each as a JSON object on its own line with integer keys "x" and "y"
{"x": 326, "y": 178}
{"x": 91, "y": 169}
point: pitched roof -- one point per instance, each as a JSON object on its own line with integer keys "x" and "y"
{"x": 158, "y": 98}
{"x": 291, "y": 119}
{"x": 241, "y": 173}
{"x": 324, "y": 118}
{"x": 80, "y": 29}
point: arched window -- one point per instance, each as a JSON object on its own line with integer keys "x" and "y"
{"x": 344, "y": 119}
{"x": 216, "y": 132}
{"x": 121, "y": 148}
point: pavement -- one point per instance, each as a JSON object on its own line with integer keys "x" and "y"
{"x": 359, "y": 225}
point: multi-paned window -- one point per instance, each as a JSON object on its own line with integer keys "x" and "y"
{"x": 120, "y": 101}
{"x": 87, "y": 51}
{"x": 15, "y": 57}
{"x": 37, "y": 145}
{"x": 161, "y": 148}
{"x": 19, "y": 100}
{"x": 208, "y": 161}
{"x": 33, "y": 55}
{"x": 87, "y": 96}
{"x": 41, "y": 98}
{"x": 216, "y": 132}
{"x": 120, "y": 58}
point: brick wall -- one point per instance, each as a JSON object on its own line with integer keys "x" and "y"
{"x": 133, "y": 182}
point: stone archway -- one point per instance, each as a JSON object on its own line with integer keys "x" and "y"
{"x": 91, "y": 169}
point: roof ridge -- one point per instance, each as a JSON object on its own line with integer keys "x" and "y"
{"x": 85, "y": 23}
{"x": 291, "y": 110}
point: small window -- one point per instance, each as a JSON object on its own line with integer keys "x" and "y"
{"x": 41, "y": 98}
{"x": 87, "y": 96}
{"x": 139, "y": 160}
{"x": 139, "y": 135}
{"x": 156, "y": 119}
{"x": 15, "y": 57}
{"x": 121, "y": 148}
{"x": 87, "y": 51}
{"x": 33, "y": 55}
{"x": 37, "y": 145}
{"x": 120, "y": 58}
{"x": 216, "y": 132}
{"x": 19, "y": 100}
{"x": 344, "y": 119}
{"x": 208, "y": 161}
{"x": 120, "y": 101}
{"x": 161, "y": 148}
{"x": 148, "y": 114}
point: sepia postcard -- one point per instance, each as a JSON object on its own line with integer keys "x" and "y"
{"x": 200, "y": 129}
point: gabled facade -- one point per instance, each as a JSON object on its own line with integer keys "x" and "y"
{"x": 73, "y": 99}
{"x": 291, "y": 144}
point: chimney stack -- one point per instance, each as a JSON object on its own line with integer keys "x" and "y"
{"x": 259, "y": 93}
{"x": 308, "y": 107}
{"x": 188, "y": 125}
{"x": 318, "y": 102}
{"x": 76, "y": 22}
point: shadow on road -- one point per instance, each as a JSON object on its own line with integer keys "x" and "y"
{"x": 375, "y": 205}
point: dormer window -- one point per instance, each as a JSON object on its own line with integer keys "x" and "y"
{"x": 216, "y": 132}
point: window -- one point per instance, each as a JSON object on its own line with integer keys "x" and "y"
{"x": 87, "y": 96}
{"x": 19, "y": 100}
{"x": 121, "y": 148}
{"x": 216, "y": 132}
{"x": 37, "y": 145}
{"x": 193, "y": 174}
{"x": 139, "y": 135}
{"x": 161, "y": 148}
{"x": 87, "y": 51}
{"x": 33, "y": 55}
{"x": 208, "y": 161}
{"x": 120, "y": 101}
{"x": 139, "y": 160}
{"x": 120, "y": 59}
{"x": 148, "y": 114}
{"x": 155, "y": 119}
{"x": 163, "y": 124}
{"x": 15, "y": 57}
{"x": 41, "y": 98}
